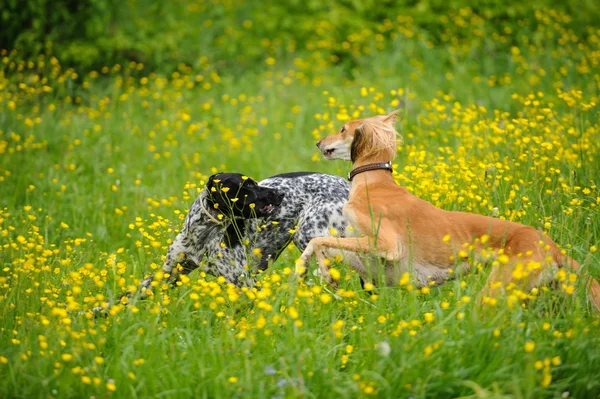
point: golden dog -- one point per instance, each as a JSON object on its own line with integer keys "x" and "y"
{"x": 410, "y": 234}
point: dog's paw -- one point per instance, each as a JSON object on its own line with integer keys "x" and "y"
{"x": 300, "y": 267}
{"x": 330, "y": 282}
{"x": 125, "y": 297}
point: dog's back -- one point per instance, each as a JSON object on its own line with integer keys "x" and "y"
{"x": 312, "y": 207}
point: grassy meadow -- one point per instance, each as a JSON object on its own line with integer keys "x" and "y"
{"x": 98, "y": 167}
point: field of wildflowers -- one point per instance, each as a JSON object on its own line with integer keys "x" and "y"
{"x": 98, "y": 168}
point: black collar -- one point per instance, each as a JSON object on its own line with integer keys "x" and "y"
{"x": 368, "y": 167}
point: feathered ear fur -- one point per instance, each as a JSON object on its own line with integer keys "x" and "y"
{"x": 211, "y": 180}
{"x": 375, "y": 137}
{"x": 358, "y": 143}
{"x": 390, "y": 118}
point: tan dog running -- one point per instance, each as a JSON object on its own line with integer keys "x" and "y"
{"x": 412, "y": 235}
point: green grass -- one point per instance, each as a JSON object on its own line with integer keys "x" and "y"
{"x": 119, "y": 159}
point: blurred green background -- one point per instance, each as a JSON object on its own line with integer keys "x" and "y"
{"x": 237, "y": 34}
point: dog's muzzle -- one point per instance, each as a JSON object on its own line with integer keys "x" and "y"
{"x": 275, "y": 199}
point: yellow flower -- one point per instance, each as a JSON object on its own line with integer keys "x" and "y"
{"x": 325, "y": 298}
{"x": 64, "y": 225}
{"x": 335, "y": 274}
{"x": 538, "y": 365}
{"x": 67, "y": 357}
{"x": 293, "y": 313}
{"x": 232, "y": 380}
{"x": 405, "y": 279}
{"x": 529, "y": 346}
{"x": 300, "y": 269}
{"x": 344, "y": 360}
{"x": 569, "y": 289}
{"x": 547, "y": 379}
{"x": 111, "y": 386}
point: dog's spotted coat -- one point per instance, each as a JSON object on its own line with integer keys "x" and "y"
{"x": 235, "y": 249}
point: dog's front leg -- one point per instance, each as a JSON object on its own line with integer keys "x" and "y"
{"x": 355, "y": 246}
{"x": 324, "y": 267}
{"x": 308, "y": 251}
{"x": 179, "y": 260}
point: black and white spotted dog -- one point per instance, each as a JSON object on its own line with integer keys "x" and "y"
{"x": 237, "y": 226}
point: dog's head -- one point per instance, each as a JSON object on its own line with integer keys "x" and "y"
{"x": 362, "y": 139}
{"x": 236, "y": 195}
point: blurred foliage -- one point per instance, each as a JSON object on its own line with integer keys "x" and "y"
{"x": 236, "y": 34}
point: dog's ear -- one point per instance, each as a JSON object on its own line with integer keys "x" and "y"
{"x": 358, "y": 142}
{"x": 390, "y": 118}
{"x": 211, "y": 180}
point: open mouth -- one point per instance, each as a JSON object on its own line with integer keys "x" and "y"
{"x": 267, "y": 209}
{"x": 329, "y": 152}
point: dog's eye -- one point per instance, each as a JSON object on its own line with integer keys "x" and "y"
{"x": 343, "y": 129}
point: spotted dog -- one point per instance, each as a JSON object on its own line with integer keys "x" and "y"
{"x": 237, "y": 226}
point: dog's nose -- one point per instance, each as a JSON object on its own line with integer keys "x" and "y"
{"x": 319, "y": 144}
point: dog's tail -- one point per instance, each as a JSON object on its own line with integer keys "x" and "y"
{"x": 591, "y": 284}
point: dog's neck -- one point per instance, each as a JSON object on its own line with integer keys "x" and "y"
{"x": 232, "y": 227}
{"x": 208, "y": 210}
{"x": 372, "y": 176}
